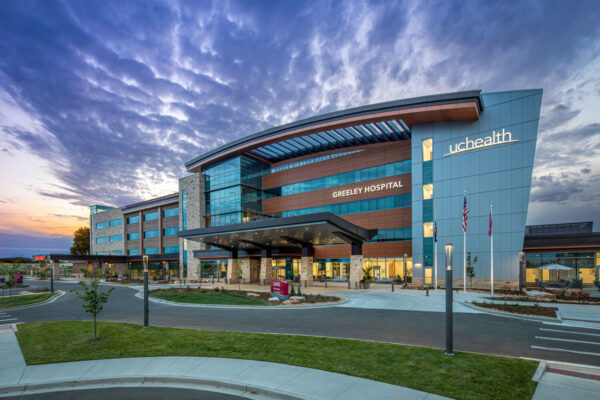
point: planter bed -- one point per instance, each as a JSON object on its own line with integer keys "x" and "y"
{"x": 535, "y": 310}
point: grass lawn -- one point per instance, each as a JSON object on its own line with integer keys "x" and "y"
{"x": 207, "y": 298}
{"x": 464, "y": 376}
{"x": 16, "y": 301}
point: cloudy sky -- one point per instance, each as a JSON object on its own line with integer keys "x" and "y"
{"x": 104, "y": 101}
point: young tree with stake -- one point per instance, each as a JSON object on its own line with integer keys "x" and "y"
{"x": 93, "y": 300}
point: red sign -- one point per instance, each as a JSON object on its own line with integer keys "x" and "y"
{"x": 39, "y": 258}
{"x": 280, "y": 289}
{"x": 18, "y": 277}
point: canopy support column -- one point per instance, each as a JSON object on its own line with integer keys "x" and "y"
{"x": 356, "y": 265}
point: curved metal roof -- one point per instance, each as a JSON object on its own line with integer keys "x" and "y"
{"x": 355, "y": 126}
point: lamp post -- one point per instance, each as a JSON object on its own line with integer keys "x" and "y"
{"x": 145, "y": 260}
{"x": 51, "y": 276}
{"x": 417, "y": 272}
{"x": 521, "y": 263}
{"x": 449, "y": 328}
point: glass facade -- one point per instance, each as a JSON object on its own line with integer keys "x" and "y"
{"x": 102, "y": 225}
{"x": 151, "y": 234}
{"x": 115, "y": 222}
{"x": 133, "y": 252}
{"x": 360, "y": 175}
{"x": 233, "y": 191}
{"x": 312, "y": 161}
{"x": 184, "y": 210}
{"x": 171, "y": 212}
{"x": 133, "y": 236}
{"x": 151, "y": 216}
{"x": 393, "y": 235}
{"x": 582, "y": 263}
{"x": 116, "y": 252}
{"x": 381, "y": 203}
{"x": 331, "y": 268}
{"x": 213, "y": 269}
{"x": 133, "y": 220}
{"x": 170, "y": 231}
{"x": 116, "y": 238}
{"x": 103, "y": 239}
{"x": 151, "y": 250}
{"x": 427, "y": 146}
{"x": 170, "y": 249}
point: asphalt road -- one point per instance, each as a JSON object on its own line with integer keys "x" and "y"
{"x": 481, "y": 333}
{"x": 128, "y": 393}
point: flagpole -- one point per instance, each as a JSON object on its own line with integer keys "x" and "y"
{"x": 465, "y": 253}
{"x": 435, "y": 253}
{"x": 491, "y": 249}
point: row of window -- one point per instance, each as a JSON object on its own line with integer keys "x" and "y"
{"x": 381, "y": 203}
{"x": 112, "y": 238}
{"x": 154, "y": 250}
{"x": 111, "y": 223}
{"x": 393, "y": 235}
{"x": 171, "y": 212}
{"x": 360, "y": 175}
{"x": 153, "y": 233}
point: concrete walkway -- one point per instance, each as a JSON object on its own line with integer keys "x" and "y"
{"x": 568, "y": 381}
{"x": 250, "y": 379}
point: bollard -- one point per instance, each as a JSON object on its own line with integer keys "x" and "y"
{"x": 348, "y": 283}
{"x": 305, "y": 284}
{"x": 325, "y": 283}
{"x": 355, "y": 285}
{"x": 427, "y": 290}
{"x": 392, "y": 286}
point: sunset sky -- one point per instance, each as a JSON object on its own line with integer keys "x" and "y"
{"x": 102, "y": 102}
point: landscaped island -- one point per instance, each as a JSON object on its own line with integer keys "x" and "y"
{"x": 222, "y": 296}
{"x": 464, "y": 376}
{"x": 23, "y": 300}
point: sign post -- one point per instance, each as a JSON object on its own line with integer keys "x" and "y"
{"x": 145, "y": 260}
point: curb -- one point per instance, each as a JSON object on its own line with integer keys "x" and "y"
{"x": 539, "y": 372}
{"x": 511, "y": 315}
{"x": 140, "y": 295}
{"x": 200, "y": 384}
{"x": 59, "y": 293}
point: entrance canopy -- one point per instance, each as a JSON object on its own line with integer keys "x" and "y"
{"x": 302, "y": 231}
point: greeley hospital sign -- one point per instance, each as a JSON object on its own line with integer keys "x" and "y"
{"x": 367, "y": 189}
{"x": 495, "y": 139}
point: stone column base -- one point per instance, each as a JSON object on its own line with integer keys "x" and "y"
{"x": 266, "y": 270}
{"x": 356, "y": 272}
{"x": 306, "y": 270}
{"x": 233, "y": 270}
{"x": 245, "y": 270}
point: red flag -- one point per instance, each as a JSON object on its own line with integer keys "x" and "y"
{"x": 490, "y": 231}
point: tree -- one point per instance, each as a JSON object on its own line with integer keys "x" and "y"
{"x": 81, "y": 242}
{"x": 93, "y": 300}
{"x": 471, "y": 268}
{"x": 10, "y": 271}
{"x": 42, "y": 272}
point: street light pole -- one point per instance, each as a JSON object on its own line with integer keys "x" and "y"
{"x": 145, "y": 260}
{"x": 449, "y": 327}
{"x": 521, "y": 262}
{"x": 51, "y": 276}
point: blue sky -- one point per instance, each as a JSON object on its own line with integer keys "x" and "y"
{"x": 104, "y": 101}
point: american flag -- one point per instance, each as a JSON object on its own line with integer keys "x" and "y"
{"x": 435, "y": 231}
{"x": 490, "y": 231}
{"x": 465, "y": 212}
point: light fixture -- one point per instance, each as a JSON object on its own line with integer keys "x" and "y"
{"x": 448, "y": 256}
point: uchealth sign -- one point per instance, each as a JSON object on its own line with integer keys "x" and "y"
{"x": 367, "y": 189}
{"x": 494, "y": 139}
{"x": 39, "y": 258}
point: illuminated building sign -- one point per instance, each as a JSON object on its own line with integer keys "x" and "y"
{"x": 367, "y": 189}
{"x": 39, "y": 258}
{"x": 468, "y": 144}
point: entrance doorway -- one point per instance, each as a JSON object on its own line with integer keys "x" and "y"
{"x": 286, "y": 268}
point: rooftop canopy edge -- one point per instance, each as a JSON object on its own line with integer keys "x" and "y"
{"x": 362, "y": 125}
{"x": 301, "y": 231}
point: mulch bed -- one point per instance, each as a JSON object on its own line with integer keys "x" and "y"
{"x": 262, "y": 296}
{"x": 591, "y": 300}
{"x": 520, "y": 309}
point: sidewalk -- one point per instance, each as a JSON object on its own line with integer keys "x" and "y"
{"x": 567, "y": 381}
{"x": 251, "y": 379}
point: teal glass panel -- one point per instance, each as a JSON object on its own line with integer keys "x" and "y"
{"x": 116, "y": 222}
{"x": 171, "y": 212}
{"x": 151, "y": 250}
{"x": 151, "y": 234}
{"x": 103, "y": 239}
{"x": 170, "y": 249}
{"x": 133, "y": 220}
{"x": 170, "y": 231}
{"x": 133, "y": 236}
{"x": 151, "y": 216}
{"x": 102, "y": 225}
{"x": 133, "y": 252}
{"x": 382, "y": 203}
{"x": 116, "y": 238}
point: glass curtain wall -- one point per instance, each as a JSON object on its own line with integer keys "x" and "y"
{"x": 286, "y": 268}
{"x": 582, "y": 263}
{"x": 330, "y": 268}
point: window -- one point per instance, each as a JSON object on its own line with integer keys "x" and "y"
{"x": 151, "y": 216}
{"x": 393, "y": 235}
{"x": 428, "y": 229}
{"x": 102, "y": 239}
{"x": 116, "y": 252}
{"x": 116, "y": 222}
{"x": 170, "y": 249}
{"x": 133, "y": 220}
{"x": 101, "y": 225}
{"x": 151, "y": 250}
{"x": 427, "y": 149}
{"x": 133, "y": 252}
{"x": 428, "y": 191}
{"x": 171, "y": 212}
{"x": 151, "y": 234}
{"x": 116, "y": 238}
{"x": 133, "y": 236}
{"x": 381, "y": 203}
{"x": 170, "y": 231}
{"x": 102, "y": 253}
{"x": 184, "y": 209}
